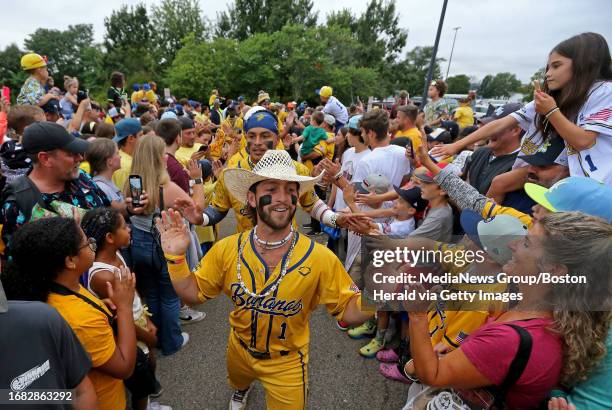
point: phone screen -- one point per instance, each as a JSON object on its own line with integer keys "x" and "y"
{"x": 135, "y": 188}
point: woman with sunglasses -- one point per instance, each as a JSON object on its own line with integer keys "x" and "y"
{"x": 48, "y": 259}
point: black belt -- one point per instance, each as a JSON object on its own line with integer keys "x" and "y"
{"x": 262, "y": 355}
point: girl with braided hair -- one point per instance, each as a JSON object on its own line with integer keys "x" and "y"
{"x": 108, "y": 228}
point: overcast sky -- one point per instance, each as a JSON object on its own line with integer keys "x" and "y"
{"x": 495, "y": 35}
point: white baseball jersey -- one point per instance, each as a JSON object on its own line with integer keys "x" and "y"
{"x": 595, "y": 115}
{"x": 337, "y": 109}
{"x": 532, "y": 140}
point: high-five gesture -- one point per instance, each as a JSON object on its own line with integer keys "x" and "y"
{"x": 173, "y": 232}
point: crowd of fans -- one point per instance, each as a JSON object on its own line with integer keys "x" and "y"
{"x": 83, "y": 183}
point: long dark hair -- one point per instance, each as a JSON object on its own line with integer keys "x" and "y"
{"x": 590, "y": 57}
{"x": 38, "y": 253}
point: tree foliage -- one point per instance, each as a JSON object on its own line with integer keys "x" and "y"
{"x": 458, "y": 84}
{"x": 173, "y": 21}
{"x": 246, "y": 18}
{"x": 11, "y": 74}
{"x": 499, "y": 85}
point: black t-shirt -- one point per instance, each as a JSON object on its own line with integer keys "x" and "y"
{"x": 483, "y": 168}
{"x": 39, "y": 350}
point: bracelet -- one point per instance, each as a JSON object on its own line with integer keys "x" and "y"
{"x": 174, "y": 259}
{"x": 551, "y": 112}
{"x": 338, "y": 175}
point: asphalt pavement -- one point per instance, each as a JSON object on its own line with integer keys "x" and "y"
{"x": 196, "y": 376}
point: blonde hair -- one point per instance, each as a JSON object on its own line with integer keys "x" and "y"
{"x": 69, "y": 82}
{"x": 148, "y": 162}
{"x": 583, "y": 245}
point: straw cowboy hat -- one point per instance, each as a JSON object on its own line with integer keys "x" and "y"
{"x": 275, "y": 164}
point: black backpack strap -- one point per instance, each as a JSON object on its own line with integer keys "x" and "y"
{"x": 25, "y": 193}
{"x": 63, "y": 290}
{"x": 517, "y": 367}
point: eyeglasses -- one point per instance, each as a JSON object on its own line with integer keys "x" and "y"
{"x": 91, "y": 242}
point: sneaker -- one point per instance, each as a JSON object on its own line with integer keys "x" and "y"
{"x": 387, "y": 356}
{"x": 342, "y": 325}
{"x": 189, "y": 315}
{"x": 153, "y": 405}
{"x": 185, "y": 338}
{"x": 369, "y": 351}
{"x": 390, "y": 371}
{"x": 239, "y": 399}
{"x": 367, "y": 329}
{"x": 158, "y": 390}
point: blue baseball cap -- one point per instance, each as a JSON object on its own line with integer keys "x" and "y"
{"x": 146, "y": 86}
{"x": 241, "y": 98}
{"x": 353, "y": 122}
{"x": 125, "y": 128}
{"x": 581, "y": 194}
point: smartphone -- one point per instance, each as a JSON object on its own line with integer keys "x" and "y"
{"x": 203, "y": 148}
{"x": 6, "y": 93}
{"x": 135, "y": 189}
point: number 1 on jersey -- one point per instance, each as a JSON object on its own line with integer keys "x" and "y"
{"x": 283, "y": 327}
{"x": 592, "y": 166}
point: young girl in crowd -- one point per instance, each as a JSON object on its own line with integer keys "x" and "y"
{"x": 574, "y": 103}
{"x": 70, "y": 101}
{"x": 48, "y": 258}
{"x": 111, "y": 233}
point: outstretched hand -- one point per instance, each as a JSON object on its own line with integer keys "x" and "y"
{"x": 173, "y": 232}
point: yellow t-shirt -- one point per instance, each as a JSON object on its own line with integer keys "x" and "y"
{"x": 415, "y": 137}
{"x": 464, "y": 116}
{"x": 453, "y": 326}
{"x": 121, "y": 175}
{"x": 216, "y": 147}
{"x": 206, "y": 233}
{"x": 183, "y": 154}
{"x": 223, "y": 201}
{"x": 315, "y": 276}
{"x": 96, "y": 335}
{"x": 136, "y": 96}
{"x": 325, "y": 148}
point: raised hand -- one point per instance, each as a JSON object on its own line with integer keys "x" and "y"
{"x": 121, "y": 291}
{"x": 173, "y": 232}
{"x": 194, "y": 169}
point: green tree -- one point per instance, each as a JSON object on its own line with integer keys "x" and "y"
{"x": 411, "y": 73}
{"x": 458, "y": 84}
{"x": 377, "y": 30}
{"x": 245, "y": 18}
{"x": 528, "y": 89}
{"x": 173, "y": 20}
{"x": 11, "y": 74}
{"x": 70, "y": 51}
{"x": 127, "y": 42}
{"x": 500, "y": 85}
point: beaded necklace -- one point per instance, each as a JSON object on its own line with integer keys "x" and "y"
{"x": 278, "y": 281}
{"x": 272, "y": 245}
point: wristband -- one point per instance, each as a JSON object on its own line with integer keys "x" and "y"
{"x": 338, "y": 175}
{"x": 551, "y": 112}
{"x": 196, "y": 181}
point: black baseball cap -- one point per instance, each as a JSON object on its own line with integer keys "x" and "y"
{"x": 186, "y": 123}
{"x": 47, "y": 136}
{"x": 501, "y": 112}
{"x": 51, "y": 107}
{"x": 440, "y": 135}
{"x": 546, "y": 154}
{"x": 413, "y": 197}
{"x": 207, "y": 169}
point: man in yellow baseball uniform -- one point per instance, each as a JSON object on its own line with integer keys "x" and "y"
{"x": 275, "y": 278}
{"x": 261, "y": 127}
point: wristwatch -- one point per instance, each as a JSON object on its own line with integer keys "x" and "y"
{"x": 196, "y": 181}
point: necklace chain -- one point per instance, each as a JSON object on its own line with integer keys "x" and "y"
{"x": 272, "y": 245}
{"x": 278, "y": 281}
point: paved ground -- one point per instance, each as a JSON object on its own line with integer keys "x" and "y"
{"x": 195, "y": 377}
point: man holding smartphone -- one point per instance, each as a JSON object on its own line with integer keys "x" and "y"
{"x": 189, "y": 149}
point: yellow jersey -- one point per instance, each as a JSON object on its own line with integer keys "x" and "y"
{"x": 464, "y": 116}
{"x": 92, "y": 328}
{"x": 183, "y": 154}
{"x": 279, "y": 321}
{"x": 216, "y": 147}
{"x": 223, "y": 201}
{"x": 325, "y": 149}
{"x": 415, "y": 137}
{"x": 452, "y": 327}
{"x": 121, "y": 175}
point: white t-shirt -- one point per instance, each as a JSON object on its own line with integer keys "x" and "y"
{"x": 459, "y": 161}
{"x": 595, "y": 115}
{"x": 532, "y": 140}
{"x": 389, "y": 161}
{"x": 350, "y": 160}
{"x": 397, "y": 228}
{"x": 337, "y": 109}
{"x": 353, "y": 244}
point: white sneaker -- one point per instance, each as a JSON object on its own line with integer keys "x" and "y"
{"x": 153, "y": 405}
{"x": 189, "y": 315}
{"x": 239, "y": 399}
{"x": 185, "y": 338}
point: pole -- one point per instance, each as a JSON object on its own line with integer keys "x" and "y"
{"x": 452, "y": 49}
{"x": 433, "y": 54}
